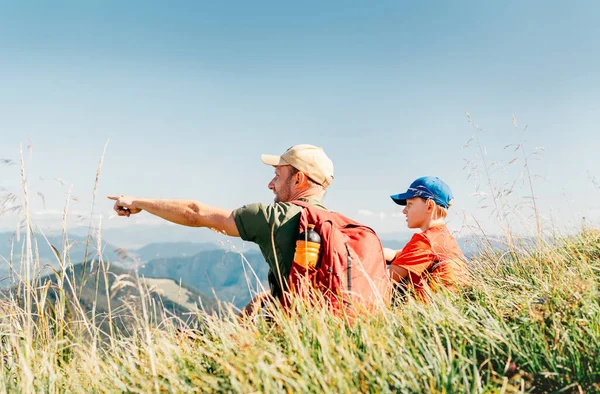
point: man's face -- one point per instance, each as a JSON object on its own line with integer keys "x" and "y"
{"x": 282, "y": 183}
{"x": 416, "y": 212}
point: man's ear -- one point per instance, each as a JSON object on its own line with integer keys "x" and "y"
{"x": 300, "y": 178}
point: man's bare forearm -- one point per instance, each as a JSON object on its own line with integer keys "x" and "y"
{"x": 185, "y": 212}
{"x": 190, "y": 213}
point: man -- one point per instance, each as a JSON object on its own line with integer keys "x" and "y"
{"x": 303, "y": 172}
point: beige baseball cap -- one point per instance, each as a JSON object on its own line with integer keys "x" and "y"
{"x": 309, "y": 159}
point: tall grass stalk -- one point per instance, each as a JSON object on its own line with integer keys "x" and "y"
{"x": 89, "y": 236}
{"x": 27, "y": 293}
{"x": 526, "y": 157}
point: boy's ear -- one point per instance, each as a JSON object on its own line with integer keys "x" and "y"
{"x": 430, "y": 205}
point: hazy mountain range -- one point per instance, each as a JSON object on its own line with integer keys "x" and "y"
{"x": 231, "y": 271}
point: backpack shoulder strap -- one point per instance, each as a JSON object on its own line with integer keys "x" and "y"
{"x": 315, "y": 214}
{"x": 310, "y": 213}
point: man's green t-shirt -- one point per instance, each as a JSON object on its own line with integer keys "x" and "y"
{"x": 274, "y": 228}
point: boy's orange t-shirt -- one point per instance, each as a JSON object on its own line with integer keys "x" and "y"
{"x": 433, "y": 255}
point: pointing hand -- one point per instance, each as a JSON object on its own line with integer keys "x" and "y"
{"x": 125, "y": 206}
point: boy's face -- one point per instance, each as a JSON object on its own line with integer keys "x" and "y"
{"x": 417, "y": 212}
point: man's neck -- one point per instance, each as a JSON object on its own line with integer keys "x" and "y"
{"x": 307, "y": 194}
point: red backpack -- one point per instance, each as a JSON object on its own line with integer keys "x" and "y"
{"x": 351, "y": 271}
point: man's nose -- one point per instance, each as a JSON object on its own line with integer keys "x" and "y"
{"x": 271, "y": 185}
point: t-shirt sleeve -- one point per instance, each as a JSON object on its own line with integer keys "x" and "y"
{"x": 253, "y": 222}
{"x": 416, "y": 256}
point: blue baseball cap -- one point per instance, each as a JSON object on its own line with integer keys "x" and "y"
{"x": 427, "y": 187}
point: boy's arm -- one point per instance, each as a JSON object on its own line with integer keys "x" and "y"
{"x": 398, "y": 273}
{"x": 184, "y": 212}
{"x": 390, "y": 254}
{"x": 415, "y": 257}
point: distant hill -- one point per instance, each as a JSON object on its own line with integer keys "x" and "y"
{"x": 164, "y": 250}
{"x": 170, "y": 296}
{"x": 226, "y": 273}
{"x": 47, "y": 255}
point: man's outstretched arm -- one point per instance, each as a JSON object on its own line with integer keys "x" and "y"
{"x": 185, "y": 212}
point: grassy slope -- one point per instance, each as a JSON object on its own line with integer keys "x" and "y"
{"x": 530, "y": 322}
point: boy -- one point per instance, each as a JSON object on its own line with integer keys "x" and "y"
{"x": 431, "y": 258}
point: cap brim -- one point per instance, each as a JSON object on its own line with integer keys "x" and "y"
{"x": 401, "y": 198}
{"x": 272, "y": 160}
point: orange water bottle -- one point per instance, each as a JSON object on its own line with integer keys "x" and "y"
{"x": 308, "y": 244}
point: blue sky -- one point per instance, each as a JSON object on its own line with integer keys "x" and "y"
{"x": 191, "y": 94}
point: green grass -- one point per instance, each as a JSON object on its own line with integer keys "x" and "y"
{"x": 529, "y": 323}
